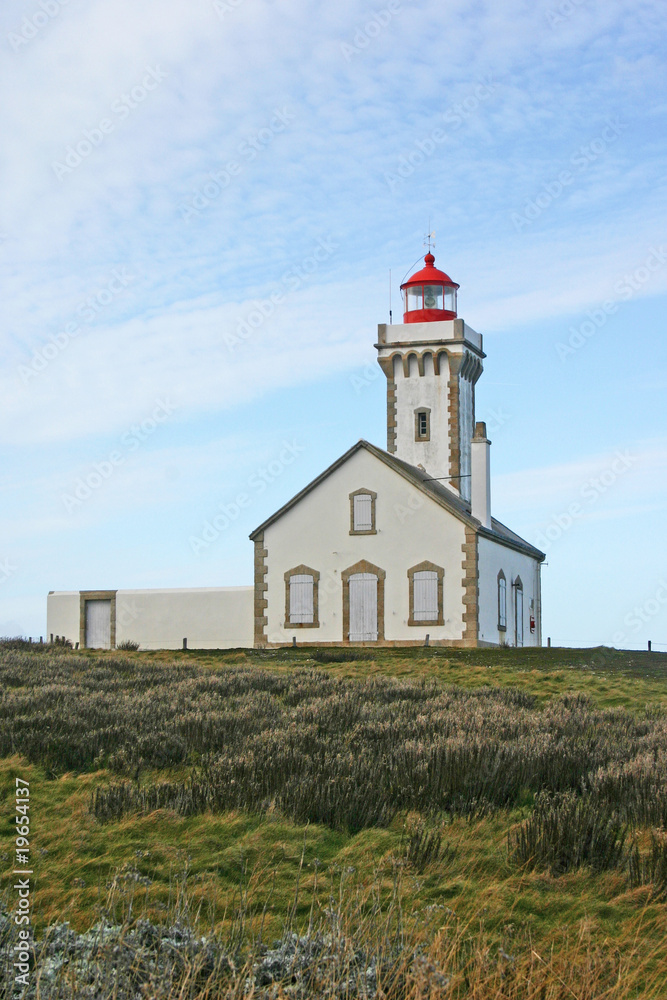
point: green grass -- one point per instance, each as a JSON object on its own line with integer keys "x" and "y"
{"x": 611, "y": 677}
{"x": 265, "y": 854}
{"x": 477, "y": 883}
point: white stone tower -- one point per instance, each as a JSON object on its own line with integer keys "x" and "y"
{"x": 432, "y": 361}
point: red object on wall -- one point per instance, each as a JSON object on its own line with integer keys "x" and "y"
{"x": 429, "y": 295}
{"x": 532, "y": 624}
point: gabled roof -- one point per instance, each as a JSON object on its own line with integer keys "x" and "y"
{"x": 460, "y": 508}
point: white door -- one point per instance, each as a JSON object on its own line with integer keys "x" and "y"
{"x": 518, "y": 616}
{"x": 98, "y": 624}
{"x": 363, "y": 607}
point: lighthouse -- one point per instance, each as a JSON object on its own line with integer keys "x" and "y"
{"x": 394, "y": 547}
{"x": 432, "y": 361}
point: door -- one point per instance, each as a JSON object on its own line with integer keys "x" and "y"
{"x": 98, "y": 624}
{"x": 363, "y": 607}
{"x": 518, "y": 615}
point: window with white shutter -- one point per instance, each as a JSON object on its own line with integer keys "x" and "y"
{"x": 426, "y": 594}
{"x": 518, "y": 612}
{"x": 301, "y": 598}
{"x": 363, "y": 519}
{"x": 502, "y": 601}
{"x": 362, "y": 512}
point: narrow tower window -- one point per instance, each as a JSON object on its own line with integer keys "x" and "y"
{"x": 423, "y": 424}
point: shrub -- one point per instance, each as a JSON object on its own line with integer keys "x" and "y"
{"x": 567, "y": 831}
{"x": 128, "y": 644}
{"x": 651, "y": 868}
{"x": 342, "y": 752}
{"x": 340, "y": 655}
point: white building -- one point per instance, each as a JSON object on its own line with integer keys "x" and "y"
{"x": 392, "y": 548}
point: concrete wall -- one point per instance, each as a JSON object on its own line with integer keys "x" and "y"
{"x": 411, "y": 528}
{"x": 62, "y": 615}
{"x": 209, "y": 617}
{"x": 492, "y": 558}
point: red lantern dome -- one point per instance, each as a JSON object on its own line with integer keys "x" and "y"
{"x": 429, "y": 295}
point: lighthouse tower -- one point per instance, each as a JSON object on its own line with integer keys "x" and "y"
{"x": 432, "y": 361}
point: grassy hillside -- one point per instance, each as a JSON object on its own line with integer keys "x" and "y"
{"x": 483, "y": 803}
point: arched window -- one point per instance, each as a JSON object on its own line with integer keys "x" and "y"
{"x": 362, "y": 512}
{"x": 502, "y": 602}
{"x": 426, "y": 594}
{"x": 518, "y": 612}
{"x": 301, "y": 597}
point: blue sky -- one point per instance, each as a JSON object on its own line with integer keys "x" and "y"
{"x": 200, "y": 207}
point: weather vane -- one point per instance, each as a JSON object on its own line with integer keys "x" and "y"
{"x": 429, "y": 239}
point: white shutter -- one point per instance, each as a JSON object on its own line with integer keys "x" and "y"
{"x": 425, "y": 596}
{"x": 363, "y": 607}
{"x": 518, "y": 620}
{"x": 301, "y": 599}
{"x": 363, "y": 513}
{"x": 98, "y": 624}
{"x": 502, "y": 602}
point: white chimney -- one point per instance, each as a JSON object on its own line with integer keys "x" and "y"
{"x": 480, "y": 470}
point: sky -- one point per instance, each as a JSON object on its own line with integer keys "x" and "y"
{"x": 204, "y": 206}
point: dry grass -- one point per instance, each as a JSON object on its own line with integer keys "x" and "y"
{"x": 368, "y": 815}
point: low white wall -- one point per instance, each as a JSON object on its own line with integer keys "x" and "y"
{"x": 62, "y": 615}
{"x": 208, "y": 617}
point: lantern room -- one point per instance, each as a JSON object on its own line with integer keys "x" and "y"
{"x": 429, "y": 295}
